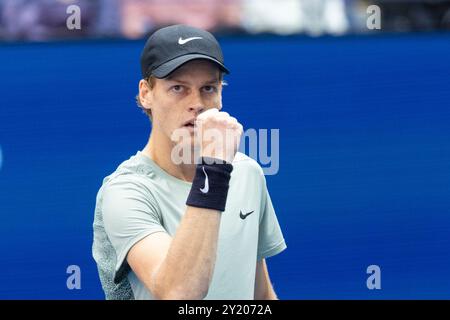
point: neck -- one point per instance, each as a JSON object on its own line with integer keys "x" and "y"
{"x": 159, "y": 148}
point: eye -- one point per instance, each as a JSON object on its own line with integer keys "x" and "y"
{"x": 177, "y": 88}
{"x": 209, "y": 89}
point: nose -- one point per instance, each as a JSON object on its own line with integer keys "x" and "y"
{"x": 197, "y": 105}
{"x": 197, "y": 109}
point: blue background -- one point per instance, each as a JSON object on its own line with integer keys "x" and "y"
{"x": 364, "y": 158}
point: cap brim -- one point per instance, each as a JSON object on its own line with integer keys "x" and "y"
{"x": 166, "y": 68}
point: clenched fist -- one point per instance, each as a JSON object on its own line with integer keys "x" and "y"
{"x": 218, "y": 134}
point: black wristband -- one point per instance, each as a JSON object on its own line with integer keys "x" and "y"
{"x": 210, "y": 186}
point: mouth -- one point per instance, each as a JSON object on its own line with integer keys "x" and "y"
{"x": 189, "y": 124}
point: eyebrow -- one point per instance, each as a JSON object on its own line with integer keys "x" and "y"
{"x": 172, "y": 78}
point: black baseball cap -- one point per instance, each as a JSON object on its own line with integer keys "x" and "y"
{"x": 170, "y": 47}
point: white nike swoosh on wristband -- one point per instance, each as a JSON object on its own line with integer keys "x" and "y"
{"x": 183, "y": 41}
{"x": 205, "y": 189}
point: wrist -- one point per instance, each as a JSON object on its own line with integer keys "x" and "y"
{"x": 210, "y": 185}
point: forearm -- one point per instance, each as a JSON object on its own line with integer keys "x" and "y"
{"x": 187, "y": 270}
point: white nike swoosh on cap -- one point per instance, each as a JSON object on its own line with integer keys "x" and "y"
{"x": 183, "y": 41}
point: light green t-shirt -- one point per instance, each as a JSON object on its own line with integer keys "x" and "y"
{"x": 140, "y": 198}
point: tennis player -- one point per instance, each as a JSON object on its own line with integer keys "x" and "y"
{"x": 196, "y": 229}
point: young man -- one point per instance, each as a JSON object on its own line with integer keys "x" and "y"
{"x": 166, "y": 229}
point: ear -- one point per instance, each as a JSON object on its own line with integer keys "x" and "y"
{"x": 220, "y": 97}
{"x": 145, "y": 94}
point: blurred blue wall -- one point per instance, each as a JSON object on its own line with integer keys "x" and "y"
{"x": 364, "y": 158}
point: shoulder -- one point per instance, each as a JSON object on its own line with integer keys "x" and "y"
{"x": 128, "y": 192}
{"x": 133, "y": 176}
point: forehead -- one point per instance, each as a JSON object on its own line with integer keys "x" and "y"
{"x": 196, "y": 68}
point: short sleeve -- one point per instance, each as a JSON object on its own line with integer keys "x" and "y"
{"x": 129, "y": 215}
{"x": 270, "y": 239}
